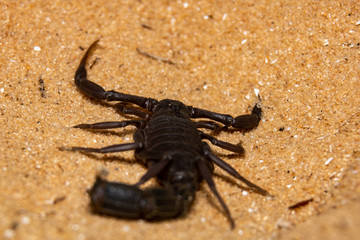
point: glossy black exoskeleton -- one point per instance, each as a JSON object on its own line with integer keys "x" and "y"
{"x": 172, "y": 147}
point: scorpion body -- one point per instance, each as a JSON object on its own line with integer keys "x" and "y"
{"x": 172, "y": 147}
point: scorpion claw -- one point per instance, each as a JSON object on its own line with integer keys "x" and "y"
{"x": 248, "y": 121}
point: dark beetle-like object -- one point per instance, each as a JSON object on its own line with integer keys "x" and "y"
{"x": 170, "y": 145}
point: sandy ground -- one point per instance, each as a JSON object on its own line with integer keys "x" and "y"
{"x": 302, "y": 56}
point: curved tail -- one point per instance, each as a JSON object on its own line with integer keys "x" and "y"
{"x": 129, "y": 201}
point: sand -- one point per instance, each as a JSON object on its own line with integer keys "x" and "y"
{"x": 302, "y": 57}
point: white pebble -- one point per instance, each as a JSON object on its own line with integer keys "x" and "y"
{"x": 75, "y": 227}
{"x": 25, "y": 220}
{"x": 125, "y": 228}
{"x": 328, "y": 161}
{"x": 9, "y": 233}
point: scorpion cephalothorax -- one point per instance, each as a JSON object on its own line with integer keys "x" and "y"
{"x": 172, "y": 147}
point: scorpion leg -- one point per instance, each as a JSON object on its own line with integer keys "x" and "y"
{"x": 245, "y": 122}
{"x": 226, "y": 167}
{"x": 225, "y": 145}
{"x": 133, "y": 111}
{"x": 108, "y": 149}
{"x": 109, "y": 125}
{"x": 206, "y": 174}
{"x": 207, "y": 124}
{"x": 94, "y": 90}
{"x": 154, "y": 169}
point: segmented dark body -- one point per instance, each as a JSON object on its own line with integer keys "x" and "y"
{"x": 170, "y": 144}
{"x": 175, "y": 138}
{"x": 172, "y": 137}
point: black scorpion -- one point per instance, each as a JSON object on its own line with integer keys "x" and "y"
{"x": 170, "y": 144}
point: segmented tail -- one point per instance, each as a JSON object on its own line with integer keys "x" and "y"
{"x": 129, "y": 201}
